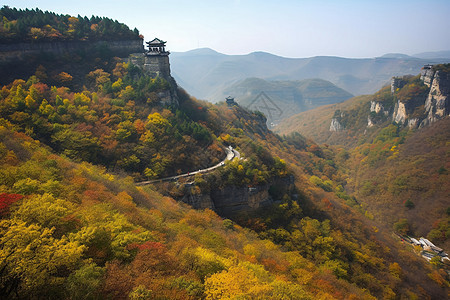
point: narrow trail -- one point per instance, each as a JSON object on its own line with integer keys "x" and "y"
{"x": 231, "y": 153}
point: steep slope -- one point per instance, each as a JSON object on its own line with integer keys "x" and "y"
{"x": 123, "y": 240}
{"x": 404, "y": 176}
{"x": 316, "y": 123}
{"x": 409, "y": 102}
{"x": 288, "y": 97}
{"x": 204, "y": 71}
{"x": 72, "y": 230}
{"x": 396, "y": 151}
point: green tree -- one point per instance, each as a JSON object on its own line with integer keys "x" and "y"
{"x": 402, "y": 226}
{"x": 85, "y": 282}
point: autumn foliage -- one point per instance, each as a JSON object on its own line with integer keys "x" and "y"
{"x": 6, "y": 200}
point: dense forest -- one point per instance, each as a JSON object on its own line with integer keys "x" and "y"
{"x": 399, "y": 173}
{"x": 131, "y": 242}
{"x": 35, "y": 25}
{"x": 74, "y": 224}
{"x": 113, "y": 123}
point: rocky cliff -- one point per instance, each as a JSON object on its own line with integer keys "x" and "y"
{"x": 437, "y": 104}
{"x": 20, "y": 51}
{"x": 336, "y": 121}
{"x": 418, "y": 109}
{"x": 233, "y": 200}
{"x": 413, "y": 101}
{"x": 158, "y": 66}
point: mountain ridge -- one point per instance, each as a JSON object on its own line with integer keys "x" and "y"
{"x": 205, "y": 74}
{"x": 298, "y": 227}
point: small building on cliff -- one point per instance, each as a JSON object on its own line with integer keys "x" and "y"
{"x": 156, "y": 61}
{"x": 230, "y": 101}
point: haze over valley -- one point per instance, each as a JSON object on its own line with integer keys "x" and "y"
{"x": 206, "y": 74}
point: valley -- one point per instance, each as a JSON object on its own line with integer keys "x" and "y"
{"x": 206, "y": 74}
{"x": 116, "y": 183}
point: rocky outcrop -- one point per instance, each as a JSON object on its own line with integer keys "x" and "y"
{"x": 199, "y": 201}
{"x": 399, "y": 115}
{"x": 378, "y": 107}
{"x": 336, "y": 122}
{"x": 233, "y": 200}
{"x": 413, "y": 123}
{"x": 427, "y": 74}
{"x": 336, "y": 125}
{"x": 437, "y": 104}
{"x": 397, "y": 83}
{"x": 158, "y": 66}
{"x": 414, "y": 101}
{"x": 424, "y": 110}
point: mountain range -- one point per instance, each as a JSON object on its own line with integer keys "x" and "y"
{"x": 204, "y": 73}
{"x": 92, "y": 204}
{"x": 279, "y": 100}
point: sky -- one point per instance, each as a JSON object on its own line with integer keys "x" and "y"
{"x": 302, "y": 28}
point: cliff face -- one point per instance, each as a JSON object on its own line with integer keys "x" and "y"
{"x": 437, "y": 105}
{"x": 158, "y": 66}
{"x": 418, "y": 110}
{"x": 336, "y": 125}
{"x": 336, "y": 121}
{"x": 412, "y": 102}
{"x": 20, "y": 51}
{"x": 233, "y": 200}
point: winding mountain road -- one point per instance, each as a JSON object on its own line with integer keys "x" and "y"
{"x": 231, "y": 153}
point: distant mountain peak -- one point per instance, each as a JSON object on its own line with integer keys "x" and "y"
{"x": 396, "y": 55}
{"x": 201, "y": 51}
{"x": 433, "y": 54}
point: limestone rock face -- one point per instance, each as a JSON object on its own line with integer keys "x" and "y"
{"x": 427, "y": 74}
{"x": 437, "y": 105}
{"x": 336, "y": 122}
{"x": 413, "y": 123}
{"x": 411, "y": 104}
{"x": 400, "y": 113}
{"x": 232, "y": 200}
{"x": 201, "y": 201}
{"x": 378, "y": 107}
{"x": 397, "y": 83}
{"x": 422, "y": 112}
{"x": 370, "y": 123}
{"x": 336, "y": 125}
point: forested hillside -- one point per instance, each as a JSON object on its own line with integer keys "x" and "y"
{"x": 35, "y": 25}
{"x": 116, "y": 240}
{"x": 71, "y": 230}
{"x": 397, "y": 172}
{"x": 74, "y": 223}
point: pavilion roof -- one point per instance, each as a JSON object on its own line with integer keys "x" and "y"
{"x": 156, "y": 41}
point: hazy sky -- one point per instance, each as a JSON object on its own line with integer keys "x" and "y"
{"x": 302, "y": 28}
